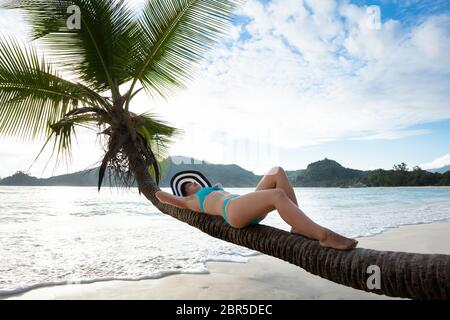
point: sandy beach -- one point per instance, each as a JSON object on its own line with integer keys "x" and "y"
{"x": 263, "y": 277}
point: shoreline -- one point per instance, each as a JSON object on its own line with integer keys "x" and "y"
{"x": 262, "y": 277}
{"x": 386, "y": 229}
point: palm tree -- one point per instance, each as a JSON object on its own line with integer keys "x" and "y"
{"x": 166, "y": 40}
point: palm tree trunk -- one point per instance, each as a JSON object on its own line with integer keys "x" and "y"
{"x": 407, "y": 275}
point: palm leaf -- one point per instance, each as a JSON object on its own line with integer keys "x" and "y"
{"x": 33, "y": 95}
{"x": 115, "y": 143}
{"x": 173, "y": 36}
{"x": 98, "y": 53}
{"x": 62, "y": 132}
{"x": 158, "y": 136}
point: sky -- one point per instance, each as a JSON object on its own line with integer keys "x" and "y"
{"x": 365, "y": 83}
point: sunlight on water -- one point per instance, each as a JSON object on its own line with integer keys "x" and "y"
{"x": 54, "y": 235}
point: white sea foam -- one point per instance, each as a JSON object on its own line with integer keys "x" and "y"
{"x": 63, "y": 235}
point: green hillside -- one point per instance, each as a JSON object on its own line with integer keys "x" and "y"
{"x": 323, "y": 173}
{"x": 327, "y": 173}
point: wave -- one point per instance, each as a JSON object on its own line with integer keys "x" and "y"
{"x": 158, "y": 275}
{"x": 384, "y": 229}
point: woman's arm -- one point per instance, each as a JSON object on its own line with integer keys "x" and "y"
{"x": 165, "y": 197}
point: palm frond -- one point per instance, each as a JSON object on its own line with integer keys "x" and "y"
{"x": 62, "y": 132}
{"x": 173, "y": 36}
{"x": 158, "y": 136}
{"x": 115, "y": 143}
{"x": 33, "y": 95}
{"x": 98, "y": 52}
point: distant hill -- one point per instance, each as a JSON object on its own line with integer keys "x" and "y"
{"x": 440, "y": 170}
{"x": 327, "y": 173}
{"x": 80, "y": 178}
{"x": 229, "y": 175}
{"x": 21, "y": 179}
{"x": 323, "y": 173}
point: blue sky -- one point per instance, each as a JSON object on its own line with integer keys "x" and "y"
{"x": 433, "y": 143}
{"x": 385, "y": 153}
{"x": 416, "y": 140}
{"x": 296, "y": 81}
{"x": 407, "y": 10}
{"x": 414, "y": 149}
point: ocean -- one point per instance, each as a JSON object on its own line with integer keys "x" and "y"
{"x": 68, "y": 235}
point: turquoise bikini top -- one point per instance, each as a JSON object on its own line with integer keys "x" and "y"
{"x": 203, "y": 192}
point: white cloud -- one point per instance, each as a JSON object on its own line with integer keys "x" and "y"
{"x": 392, "y": 135}
{"x": 13, "y": 23}
{"x": 437, "y": 163}
{"x": 317, "y": 73}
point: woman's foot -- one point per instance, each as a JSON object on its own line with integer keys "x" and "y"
{"x": 333, "y": 240}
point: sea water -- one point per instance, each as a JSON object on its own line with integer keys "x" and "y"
{"x": 65, "y": 235}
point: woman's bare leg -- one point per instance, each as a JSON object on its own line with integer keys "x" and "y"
{"x": 243, "y": 209}
{"x": 277, "y": 178}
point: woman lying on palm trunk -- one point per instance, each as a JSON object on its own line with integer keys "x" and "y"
{"x": 273, "y": 192}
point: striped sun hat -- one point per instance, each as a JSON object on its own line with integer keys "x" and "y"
{"x": 181, "y": 177}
